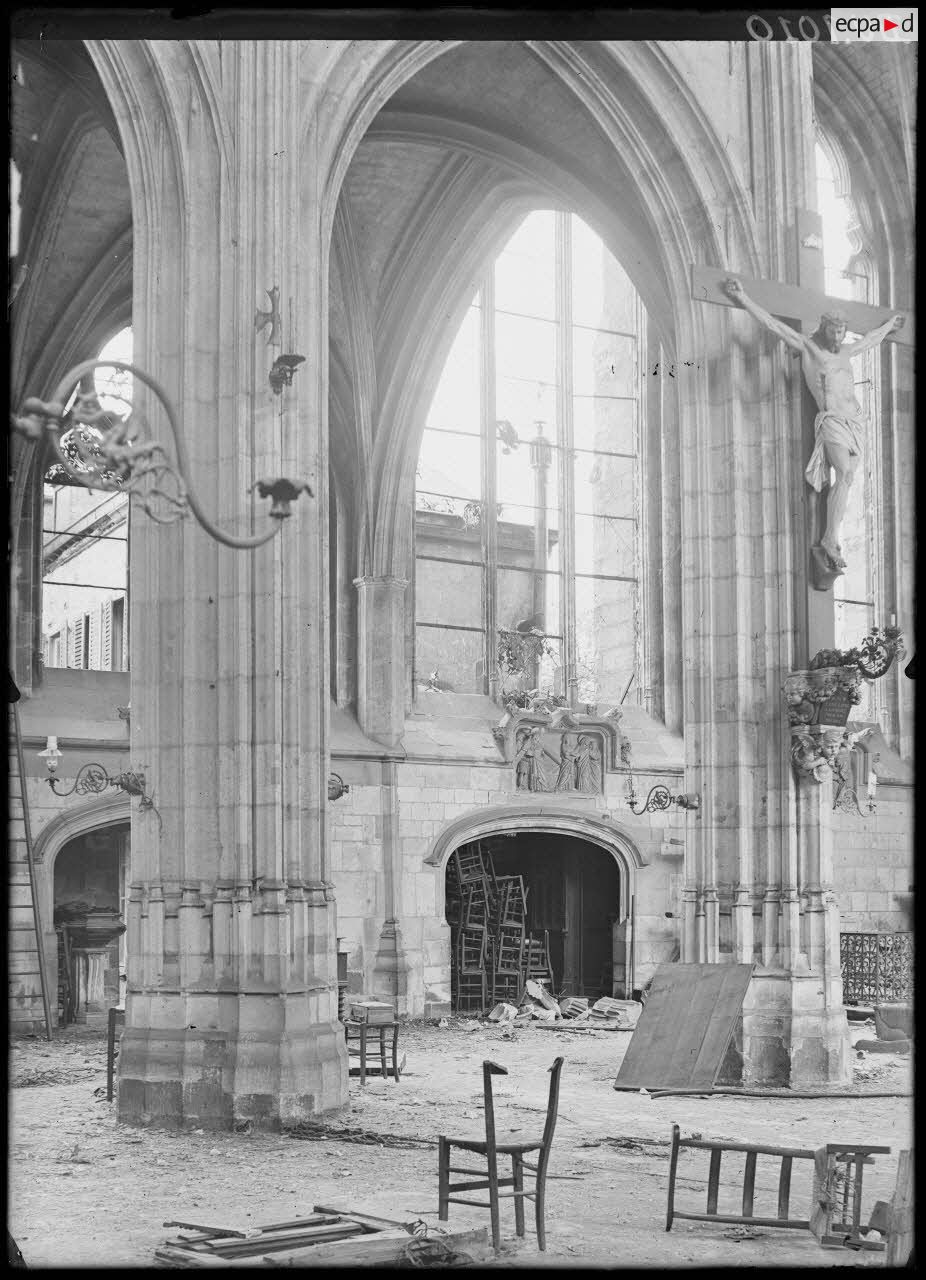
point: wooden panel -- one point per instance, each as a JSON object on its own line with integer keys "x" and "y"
{"x": 728, "y": 1005}
{"x": 685, "y": 1027}
{"x": 900, "y": 1232}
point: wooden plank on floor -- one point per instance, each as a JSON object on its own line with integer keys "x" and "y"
{"x": 378, "y": 1250}
{"x": 685, "y": 1028}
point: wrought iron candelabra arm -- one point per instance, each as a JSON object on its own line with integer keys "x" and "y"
{"x": 660, "y": 797}
{"x": 92, "y": 778}
{"x": 112, "y": 457}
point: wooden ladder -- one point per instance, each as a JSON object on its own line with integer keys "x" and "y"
{"x": 28, "y": 982}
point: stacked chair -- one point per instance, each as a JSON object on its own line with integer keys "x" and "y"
{"x": 537, "y": 958}
{"x": 492, "y": 955}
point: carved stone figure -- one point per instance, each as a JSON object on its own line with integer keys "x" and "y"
{"x": 566, "y": 779}
{"x": 588, "y": 765}
{"x": 813, "y": 754}
{"x": 839, "y": 426}
{"x": 842, "y": 774}
{"x": 561, "y": 750}
{"x": 529, "y": 772}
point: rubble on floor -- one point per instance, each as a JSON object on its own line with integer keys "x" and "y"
{"x": 893, "y": 1027}
{"x": 538, "y": 1004}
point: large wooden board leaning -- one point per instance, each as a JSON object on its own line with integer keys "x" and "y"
{"x": 685, "y": 1028}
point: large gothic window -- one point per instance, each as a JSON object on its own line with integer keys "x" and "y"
{"x": 85, "y": 614}
{"x": 850, "y": 274}
{"x": 527, "y": 521}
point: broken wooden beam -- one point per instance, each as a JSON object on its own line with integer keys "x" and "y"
{"x": 386, "y": 1247}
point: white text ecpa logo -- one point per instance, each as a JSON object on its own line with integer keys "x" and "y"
{"x": 872, "y": 24}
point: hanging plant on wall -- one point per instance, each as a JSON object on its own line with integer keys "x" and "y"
{"x": 519, "y": 650}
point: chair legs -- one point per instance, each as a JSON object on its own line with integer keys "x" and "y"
{"x": 443, "y": 1179}
{"x": 517, "y": 1171}
{"x": 493, "y": 1202}
{"x": 539, "y": 1206}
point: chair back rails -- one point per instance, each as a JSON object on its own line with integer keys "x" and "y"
{"x": 835, "y": 1217}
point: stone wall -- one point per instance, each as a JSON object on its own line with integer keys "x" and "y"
{"x": 873, "y": 868}
{"x": 437, "y": 801}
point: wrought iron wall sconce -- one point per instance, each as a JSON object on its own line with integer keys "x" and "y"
{"x": 92, "y": 778}
{"x": 660, "y": 797}
{"x": 873, "y": 657}
{"x": 337, "y": 787}
{"x": 104, "y": 451}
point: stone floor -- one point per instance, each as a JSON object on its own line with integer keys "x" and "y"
{"x": 85, "y": 1191}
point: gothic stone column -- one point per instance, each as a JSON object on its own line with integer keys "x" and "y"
{"x": 231, "y": 1006}
{"x": 381, "y": 657}
{"x": 744, "y": 593}
{"x": 794, "y": 1022}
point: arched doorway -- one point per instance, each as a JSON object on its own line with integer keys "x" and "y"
{"x": 90, "y": 875}
{"x": 567, "y": 891}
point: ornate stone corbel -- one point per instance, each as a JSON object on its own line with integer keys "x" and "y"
{"x": 813, "y": 750}
{"x": 824, "y": 695}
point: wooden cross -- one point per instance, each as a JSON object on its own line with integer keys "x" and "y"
{"x": 801, "y": 306}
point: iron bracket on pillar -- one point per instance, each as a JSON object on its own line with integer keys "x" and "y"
{"x": 101, "y": 449}
{"x": 337, "y": 787}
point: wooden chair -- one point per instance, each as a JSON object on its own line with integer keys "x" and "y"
{"x": 836, "y": 1211}
{"x": 488, "y": 1177}
{"x": 468, "y": 971}
{"x": 507, "y": 982}
{"x": 536, "y": 963}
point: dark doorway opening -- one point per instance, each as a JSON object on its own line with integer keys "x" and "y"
{"x": 573, "y": 900}
{"x": 90, "y": 878}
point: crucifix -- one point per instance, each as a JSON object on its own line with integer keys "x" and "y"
{"x": 813, "y": 326}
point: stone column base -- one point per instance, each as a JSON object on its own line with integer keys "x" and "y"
{"x": 393, "y": 973}
{"x": 241, "y": 1057}
{"x": 793, "y": 1037}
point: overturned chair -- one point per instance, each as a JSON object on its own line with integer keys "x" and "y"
{"x": 488, "y": 1177}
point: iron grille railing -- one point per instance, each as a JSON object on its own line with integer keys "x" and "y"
{"x": 876, "y": 967}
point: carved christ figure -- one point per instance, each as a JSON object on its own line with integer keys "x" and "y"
{"x": 566, "y": 779}
{"x": 839, "y": 428}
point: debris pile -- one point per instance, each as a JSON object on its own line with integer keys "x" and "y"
{"x": 893, "y": 1024}
{"x": 538, "y": 1004}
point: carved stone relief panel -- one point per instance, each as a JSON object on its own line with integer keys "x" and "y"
{"x": 561, "y": 752}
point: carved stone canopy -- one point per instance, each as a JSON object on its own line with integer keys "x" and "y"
{"x": 563, "y": 750}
